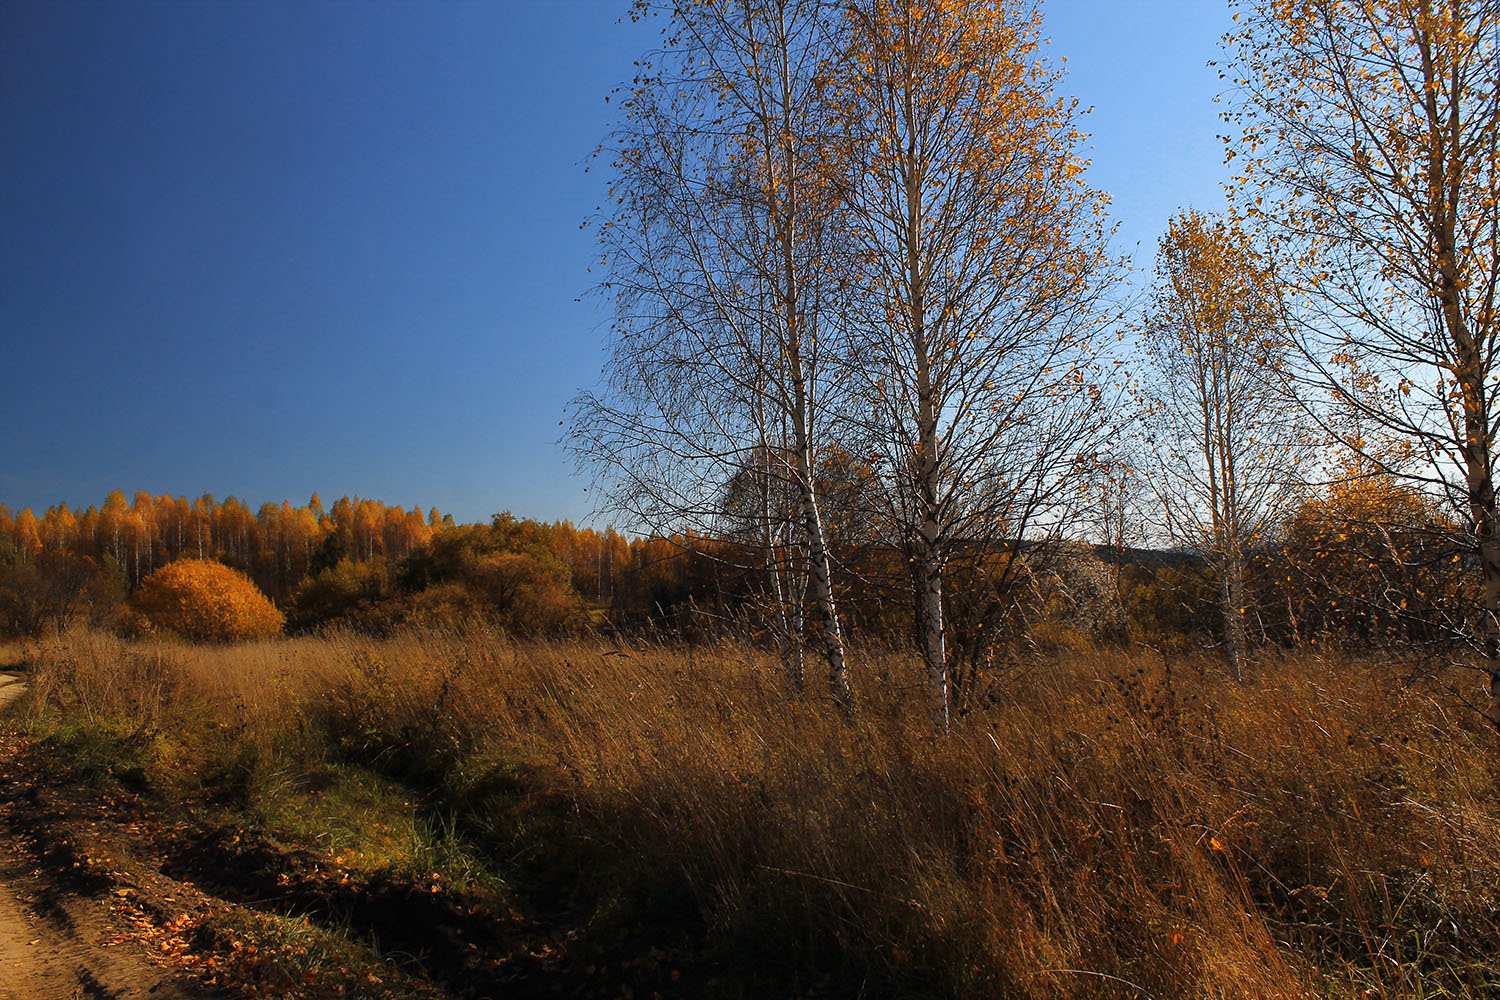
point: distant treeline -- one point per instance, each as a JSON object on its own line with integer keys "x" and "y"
{"x": 278, "y": 544}
{"x": 318, "y": 562}
{"x": 1362, "y": 560}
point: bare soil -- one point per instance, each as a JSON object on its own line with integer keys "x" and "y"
{"x": 65, "y": 947}
{"x": 11, "y": 688}
{"x": 63, "y": 935}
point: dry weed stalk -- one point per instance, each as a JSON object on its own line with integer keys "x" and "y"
{"x": 1169, "y": 829}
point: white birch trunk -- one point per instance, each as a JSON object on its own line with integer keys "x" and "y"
{"x": 821, "y": 571}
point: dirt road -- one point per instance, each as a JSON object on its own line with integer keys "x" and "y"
{"x": 66, "y": 948}
{"x": 54, "y": 946}
{"x": 38, "y": 958}
{"x": 11, "y": 688}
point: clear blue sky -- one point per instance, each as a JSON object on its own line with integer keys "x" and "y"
{"x": 271, "y": 248}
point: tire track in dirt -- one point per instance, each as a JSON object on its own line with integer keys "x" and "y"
{"x": 37, "y": 959}
{"x": 47, "y": 955}
{"x": 56, "y": 944}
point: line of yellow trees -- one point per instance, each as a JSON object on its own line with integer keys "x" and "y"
{"x": 276, "y": 543}
{"x": 1367, "y": 559}
{"x": 357, "y": 561}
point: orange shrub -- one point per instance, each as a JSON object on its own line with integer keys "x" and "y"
{"x": 208, "y": 602}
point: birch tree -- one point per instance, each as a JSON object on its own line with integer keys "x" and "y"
{"x": 717, "y": 250}
{"x": 1223, "y": 448}
{"x": 976, "y": 248}
{"x": 1368, "y": 144}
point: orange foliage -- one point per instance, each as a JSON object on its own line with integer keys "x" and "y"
{"x": 208, "y": 602}
{"x": 1373, "y": 556}
{"x": 278, "y": 546}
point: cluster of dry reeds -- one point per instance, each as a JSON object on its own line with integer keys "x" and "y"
{"x": 1114, "y": 824}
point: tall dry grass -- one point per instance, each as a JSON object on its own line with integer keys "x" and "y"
{"x": 1114, "y": 824}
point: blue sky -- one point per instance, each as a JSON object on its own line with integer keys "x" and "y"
{"x": 264, "y": 249}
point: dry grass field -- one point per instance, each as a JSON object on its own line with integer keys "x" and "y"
{"x": 640, "y": 818}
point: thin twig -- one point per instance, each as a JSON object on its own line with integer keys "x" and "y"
{"x": 1101, "y": 975}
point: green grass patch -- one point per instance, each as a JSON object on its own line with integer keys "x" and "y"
{"x": 346, "y": 811}
{"x": 93, "y": 752}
